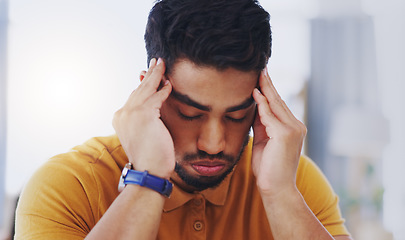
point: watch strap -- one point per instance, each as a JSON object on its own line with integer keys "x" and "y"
{"x": 144, "y": 179}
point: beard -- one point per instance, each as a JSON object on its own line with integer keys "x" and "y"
{"x": 203, "y": 182}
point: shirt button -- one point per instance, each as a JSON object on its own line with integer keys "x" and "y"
{"x": 198, "y": 225}
{"x": 197, "y": 201}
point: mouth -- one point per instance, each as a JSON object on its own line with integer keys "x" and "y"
{"x": 208, "y": 168}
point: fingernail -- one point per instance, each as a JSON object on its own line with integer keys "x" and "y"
{"x": 167, "y": 82}
{"x": 159, "y": 61}
{"x": 257, "y": 90}
{"x": 152, "y": 62}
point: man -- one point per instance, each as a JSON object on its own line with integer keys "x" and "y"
{"x": 188, "y": 123}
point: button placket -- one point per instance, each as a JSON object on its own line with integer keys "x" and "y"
{"x": 197, "y": 212}
{"x": 197, "y": 201}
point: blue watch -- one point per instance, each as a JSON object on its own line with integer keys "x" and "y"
{"x": 144, "y": 179}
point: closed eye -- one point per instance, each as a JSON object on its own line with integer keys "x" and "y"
{"x": 236, "y": 120}
{"x": 188, "y": 118}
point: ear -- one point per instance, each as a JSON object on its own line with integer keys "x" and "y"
{"x": 142, "y": 75}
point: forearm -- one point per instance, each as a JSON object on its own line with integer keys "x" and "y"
{"x": 136, "y": 212}
{"x": 291, "y": 218}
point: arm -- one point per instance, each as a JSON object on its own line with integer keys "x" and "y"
{"x": 278, "y": 139}
{"x": 135, "y": 212}
{"x": 148, "y": 145}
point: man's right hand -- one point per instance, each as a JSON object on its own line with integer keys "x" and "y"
{"x": 145, "y": 139}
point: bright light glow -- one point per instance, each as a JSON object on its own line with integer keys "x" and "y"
{"x": 71, "y": 66}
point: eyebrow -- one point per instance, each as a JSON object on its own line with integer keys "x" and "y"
{"x": 188, "y": 101}
{"x": 247, "y": 103}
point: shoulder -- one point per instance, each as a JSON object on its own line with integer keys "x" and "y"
{"x": 311, "y": 181}
{"x": 83, "y": 168}
{"x": 74, "y": 188}
{"x": 320, "y": 196}
{"x": 83, "y": 163}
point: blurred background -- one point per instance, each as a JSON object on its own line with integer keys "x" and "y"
{"x": 66, "y": 66}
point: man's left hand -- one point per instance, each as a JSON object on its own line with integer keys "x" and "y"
{"x": 278, "y": 139}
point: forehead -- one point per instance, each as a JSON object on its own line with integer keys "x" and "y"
{"x": 210, "y": 86}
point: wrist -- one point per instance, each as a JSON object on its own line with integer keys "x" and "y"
{"x": 144, "y": 179}
{"x": 279, "y": 194}
{"x": 158, "y": 171}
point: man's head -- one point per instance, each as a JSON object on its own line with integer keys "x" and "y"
{"x": 214, "y": 51}
{"x": 216, "y": 33}
{"x": 208, "y": 114}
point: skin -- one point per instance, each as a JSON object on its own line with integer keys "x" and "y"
{"x": 218, "y": 124}
{"x": 150, "y": 129}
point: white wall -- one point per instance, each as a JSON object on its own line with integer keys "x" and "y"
{"x": 71, "y": 65}
{"x": 3, "y": 98}
{"x": 390, "y": 36}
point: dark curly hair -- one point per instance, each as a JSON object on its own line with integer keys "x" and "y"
{"x": 212, "y": 33}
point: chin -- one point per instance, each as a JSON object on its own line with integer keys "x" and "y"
{"x": 200, "y": 182}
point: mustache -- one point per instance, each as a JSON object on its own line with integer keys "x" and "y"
{"x": 204, "y": 155}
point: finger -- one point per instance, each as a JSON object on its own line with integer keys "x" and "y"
{"x": 259, "y": 130}
{"x": 157, "y": 99}
{"x": 147, "y": 87}
{"x": 152, "y": 80}
{"x": 147, "y": 74}
{"x": 144, "y": 76}
{"x": 274, "y": 128}
{"x": 285, "y": 115}
{"x": 272, "y": 97}
{"x": 152, "y": 64}
{"x": 155, "y": 75}
{"x": 267, "y": 118}
{"x": 293, "y": 119}
{"x": 273, "y": 88}
{"x": 281, "y": 101}
{"x": 277, "y": 105}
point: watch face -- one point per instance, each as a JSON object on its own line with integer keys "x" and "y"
{"x": 121, "y": 184}
{"x": 124, "y": 173}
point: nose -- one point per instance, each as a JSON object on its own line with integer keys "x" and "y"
{"x": 212, "y": 137}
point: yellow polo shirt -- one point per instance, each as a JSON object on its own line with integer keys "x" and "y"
{"x": 68, "y": 195}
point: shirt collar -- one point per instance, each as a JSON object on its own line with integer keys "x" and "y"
{"x": 216, "y": 196}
